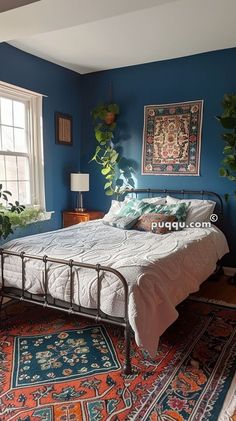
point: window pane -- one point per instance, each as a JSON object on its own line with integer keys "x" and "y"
{"x": 4, "y": 188}
{"x": 24, "y": 192}
{"x": 23, "y": 168}
{"x": 20, "y": 140}
{"x": 6, "y": 111}
{"x": 7, "y": 139}
{"x": 19, "y": 114}
{"x": 12, "y": 186}
{"x": 2, "y": 168}
{"x": 11, "y": 168}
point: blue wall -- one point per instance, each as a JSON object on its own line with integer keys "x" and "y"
{"x": 63, "y": 90}
{"x": 205, "y": 76}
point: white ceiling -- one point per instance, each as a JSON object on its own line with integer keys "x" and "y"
{"x": 91, "y": 35}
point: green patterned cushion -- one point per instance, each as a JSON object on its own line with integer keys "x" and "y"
{"x": 133, "y": 207}
{"x": 122, "y": 222}
{"x": 179, "y": 210}
{"x": 137, "y": 208}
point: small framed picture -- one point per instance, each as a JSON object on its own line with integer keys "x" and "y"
{"x": 63, "y": 129}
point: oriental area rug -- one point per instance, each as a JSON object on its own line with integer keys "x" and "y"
{"x": 172, "y": 138}
{"x": 60, "y": 367}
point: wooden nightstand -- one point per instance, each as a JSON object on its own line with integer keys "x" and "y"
{"x": 73, "y": 217}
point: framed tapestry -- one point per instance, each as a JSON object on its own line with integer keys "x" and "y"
{"x": 172, "y": 139}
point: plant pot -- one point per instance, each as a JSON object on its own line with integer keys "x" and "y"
{"x": 110, "y": 118}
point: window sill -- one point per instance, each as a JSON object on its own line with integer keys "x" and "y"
{"x": 42, "y": 216}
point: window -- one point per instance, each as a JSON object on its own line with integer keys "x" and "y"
{"x": 21, "y": 153}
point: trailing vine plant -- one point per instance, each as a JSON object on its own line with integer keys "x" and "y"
{"x": 106, "y": 154}
{"x": 228, "y": 121}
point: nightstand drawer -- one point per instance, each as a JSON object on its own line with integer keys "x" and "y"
{"x": 73, "y": 217}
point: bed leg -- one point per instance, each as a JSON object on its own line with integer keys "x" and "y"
{"x": 1, "y": 303}
{"x": 127, "y": 365}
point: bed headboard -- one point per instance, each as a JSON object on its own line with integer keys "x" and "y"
{"x": 182, "y": 194}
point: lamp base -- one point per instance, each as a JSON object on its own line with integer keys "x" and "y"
{"x": 80, "y": 210}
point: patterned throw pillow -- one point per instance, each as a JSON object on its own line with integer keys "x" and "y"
{"x": 179, "y": 210}
{"x": 134, "y": 207}
{"x": 154, "y": 222}
{"x": 116, "y": 205}
{"x": 199, "y": 210}
{"x": 122, "y": 222}
{"x": 115, "y": 208}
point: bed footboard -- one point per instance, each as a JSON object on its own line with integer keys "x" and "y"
{"x": 46, "y": 300}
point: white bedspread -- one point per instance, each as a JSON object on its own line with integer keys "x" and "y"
{"x": 161, "y": 270}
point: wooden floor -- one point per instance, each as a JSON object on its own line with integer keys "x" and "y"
{"x": 218, "y": 290}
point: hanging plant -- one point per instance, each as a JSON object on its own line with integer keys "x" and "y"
{"x": 228, "y": 121}
{"x": 106, "y": 154}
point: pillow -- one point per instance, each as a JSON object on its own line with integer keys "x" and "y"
{"x": 179, "y": 210}
{"x": 199, "y": 210}
{"x": 116, "y": 205}
{"x": 123, "y": 222}
{"x": 134, "y": 207}
{"x": 114, "y": 210}
{"x": 150, "y": 222}
{"x": 137, "y": 208}
{"x": 155, "y": 200}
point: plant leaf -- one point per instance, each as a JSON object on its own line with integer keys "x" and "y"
{"x": 105, "y": 170}
{"x": 107, "y": 185}
{"x": 223, "y": 172}
{"x": 109, "y": 192}
{"x": 226, "y": 197}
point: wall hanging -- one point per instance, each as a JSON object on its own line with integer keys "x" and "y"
{"x": 63, "y": 129}
{"x": 172, "y": 139}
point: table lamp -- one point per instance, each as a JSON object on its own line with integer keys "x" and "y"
{"x": 79, "y": 183}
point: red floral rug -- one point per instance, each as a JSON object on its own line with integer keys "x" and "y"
{"x": 58, "y": 367}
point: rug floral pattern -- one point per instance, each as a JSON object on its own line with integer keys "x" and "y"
{"x": 71, "y": 368}
{"x": 172, "y": 138}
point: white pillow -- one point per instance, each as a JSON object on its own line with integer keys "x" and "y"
{"x": 198, "y": 211}
{"x": 116, "y": 205}
{"x": 155, "y": 200}
{"x": 115, "y": 208}
{"x": 158, "y": 200}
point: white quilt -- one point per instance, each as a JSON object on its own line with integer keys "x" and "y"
{"x": 161, "y": 270}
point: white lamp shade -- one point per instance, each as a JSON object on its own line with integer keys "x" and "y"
{"x": 79, "y": 182}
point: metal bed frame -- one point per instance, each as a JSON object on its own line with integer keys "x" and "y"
{"x": 46, "y": 300}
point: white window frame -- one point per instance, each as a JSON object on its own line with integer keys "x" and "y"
{"x": 33, "y": 102}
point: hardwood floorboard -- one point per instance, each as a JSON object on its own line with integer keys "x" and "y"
{"x": 218, "y": 290}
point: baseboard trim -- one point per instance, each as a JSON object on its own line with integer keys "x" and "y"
{"x": 212, "y": 301}
{"x": 229, "y": 271}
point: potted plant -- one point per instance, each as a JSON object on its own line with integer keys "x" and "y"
{"x": 106, "y": 154}
{"x": 5, "y": 221}
{"x": 228, "y": 121}
{"x": 14, "y": 214}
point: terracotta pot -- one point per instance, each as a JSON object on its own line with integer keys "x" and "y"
{"x": 110, "y": 118}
